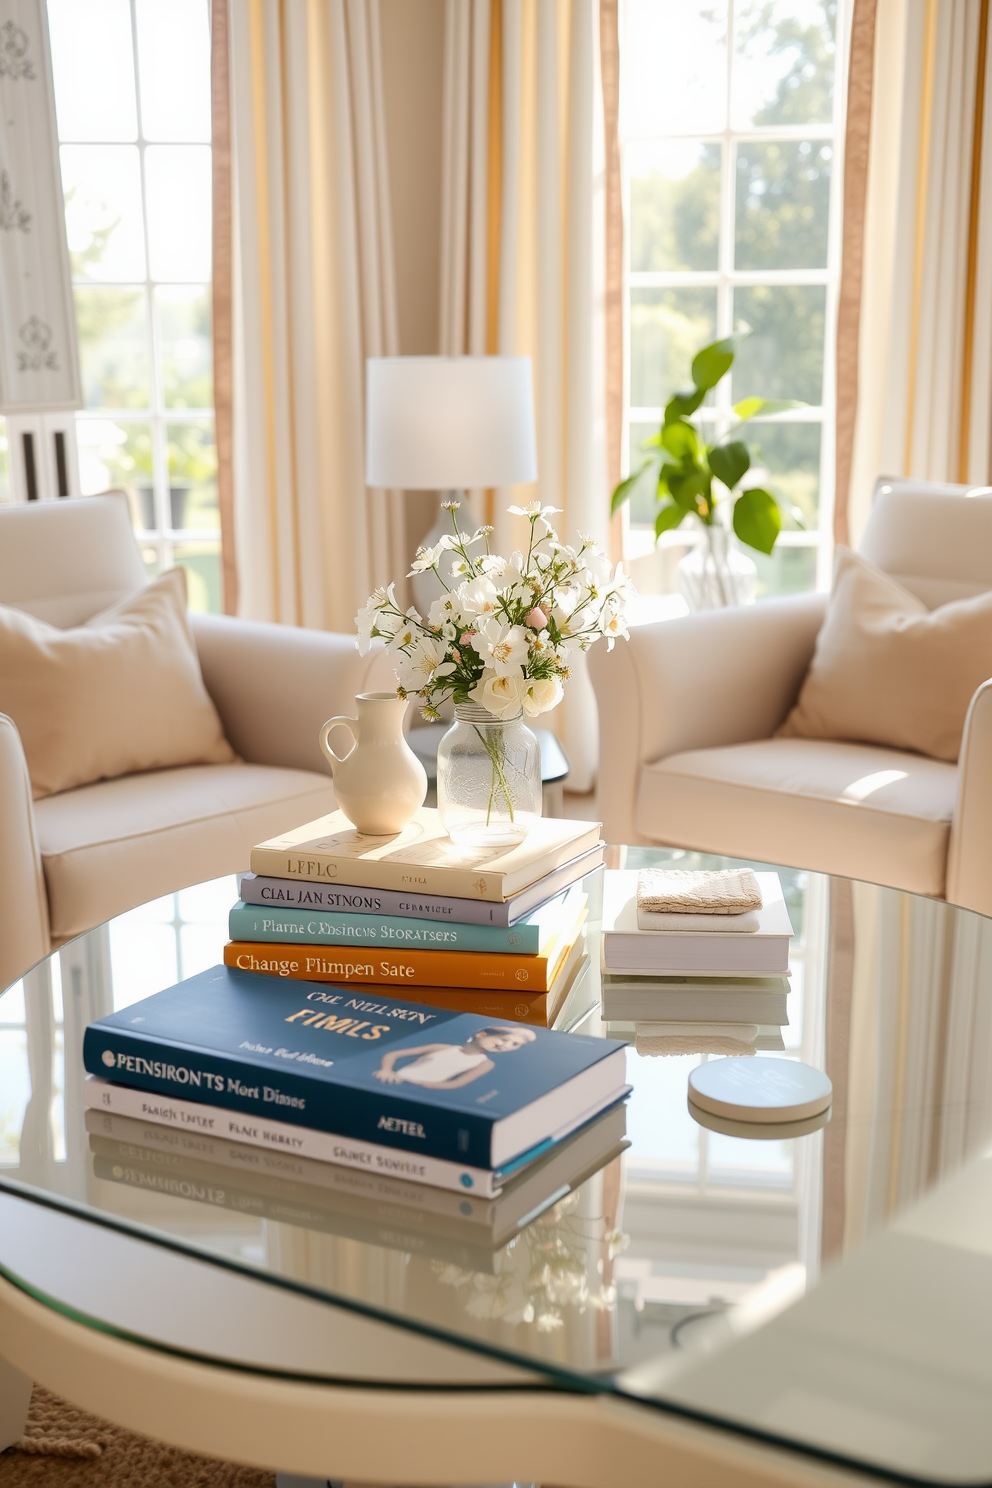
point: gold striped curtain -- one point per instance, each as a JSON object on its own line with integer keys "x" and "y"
{"x": 523, "y": 254}
{"x": 313, "y": 295}
{"x": 914, "y": 349}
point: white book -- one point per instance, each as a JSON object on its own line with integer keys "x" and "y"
{"x": 693, "y": 953}
{"x": 299, "y": 1141}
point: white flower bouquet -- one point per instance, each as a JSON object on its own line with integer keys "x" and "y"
{"x": 499, "y": 642}
{"x": 504, "y": 636}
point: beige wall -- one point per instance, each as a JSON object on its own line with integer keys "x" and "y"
{"x": 413, "y": 66}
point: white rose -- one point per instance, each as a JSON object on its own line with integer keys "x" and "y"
{"x": 503, "y": 696}
{"x": 541, "y": 694}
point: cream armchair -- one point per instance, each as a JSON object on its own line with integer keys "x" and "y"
{"x": 71, "y": 860}
{"x": 687, "y": 710}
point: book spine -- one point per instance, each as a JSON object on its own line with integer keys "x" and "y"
{"x": 642, "y": 1007}
{"x": 278, "y": 1136}
{"x": 399, "y": 970}
{"x": 162, "y": 1066}
{"x": 274, "y": 893}
{"x": 318, "y": 866}
{"x": 514, "y": 1007}
{"x": 312, "y": 927}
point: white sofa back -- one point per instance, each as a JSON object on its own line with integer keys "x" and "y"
{"x": 934, "y": 540}
{"x": 64, "y": 561}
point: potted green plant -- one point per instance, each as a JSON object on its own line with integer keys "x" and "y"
{"x": 685, "y": 473}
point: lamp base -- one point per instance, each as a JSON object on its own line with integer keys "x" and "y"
{"x": 426, "y": 587}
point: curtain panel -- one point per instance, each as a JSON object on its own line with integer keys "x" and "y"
{"x": 523, "y": 258}
{"x": 914, "y": 354}
{"x": 313, "y": 295}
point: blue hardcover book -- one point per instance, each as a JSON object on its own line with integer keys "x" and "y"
{"x": 532, "y": 936}
{"x": 450, "y": 1085}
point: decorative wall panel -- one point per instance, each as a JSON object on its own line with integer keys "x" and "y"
{"x": 39, "y": 366}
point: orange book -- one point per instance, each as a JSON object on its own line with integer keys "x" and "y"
{"x": 400, "y": 969}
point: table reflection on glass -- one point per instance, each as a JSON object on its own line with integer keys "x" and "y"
{"x": 672, "y": 1267}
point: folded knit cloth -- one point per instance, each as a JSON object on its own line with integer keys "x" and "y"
{"x": 677, "y": 899}
{"x": 695, "y": 1038}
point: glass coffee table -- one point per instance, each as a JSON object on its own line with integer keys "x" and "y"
{"x": 782, "y": 1310}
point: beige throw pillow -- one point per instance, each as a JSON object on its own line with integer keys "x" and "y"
{"x": 889, "y": 671}
{"x": 121, "y": 693}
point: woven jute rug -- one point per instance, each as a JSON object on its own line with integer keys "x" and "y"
{"x": 67, "y": 1448}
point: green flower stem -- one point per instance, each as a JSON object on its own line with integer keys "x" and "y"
{"x": 492, "y": 748}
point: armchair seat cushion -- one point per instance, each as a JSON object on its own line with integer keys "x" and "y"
{"x": 108, "y": 846}
{"x": 832, "y": 807}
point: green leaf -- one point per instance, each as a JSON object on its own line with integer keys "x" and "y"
{"x": 682, "y": 404}
{"x": 757, "y": 519}
{"x": 681, "y": 440}
{"x": 749, "y": 408}
{"x": 687, "y": 486}
{"x": 626, "y": 488}
{"x": 669, "y": 517}
{"x": 729, "y": 462}
{"x": 714, "y": 362}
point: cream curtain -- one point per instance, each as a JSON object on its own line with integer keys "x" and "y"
{"x": 313, "y": 296}
{"x": 919, "y": 245}
{"x": 523, "y": 246}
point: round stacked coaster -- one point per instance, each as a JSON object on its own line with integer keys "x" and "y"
{"x": 760, "y": 1090}
{"x": 758, "y": 1131}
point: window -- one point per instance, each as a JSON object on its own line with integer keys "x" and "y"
{"x": 730, "y": 126}
{"x": 132, "y": 91}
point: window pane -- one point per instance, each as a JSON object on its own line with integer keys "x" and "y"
{"x": 674, "y": 206}
{"x": 112, "y": 326}
{"x": 177, "y": 180}
{"x": 93, "y": 64}
{"x": 783, "y": 355}
{"x": 193, "y": 477}
{"x": 783, "y": 203}
{"x": 785, "y": 571}
{"x": 113, "y": 453}
{"x": 667, "y": 328}
{"x": 786, "y": 458}
{"x": 674, "y": 67}
{"x": 102, "y": 185}
{"x": 174, "y": 66}
{"x": 183, "y": 313}
{"x": 202, "y": 564}
{"x": 783, "y": 62}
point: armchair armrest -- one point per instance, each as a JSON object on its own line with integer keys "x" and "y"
{"x": 24, "y": 932}
{"x": 274, "y": 685}
{"x": 969, "y": 857}
{"x": 719, "y": 677}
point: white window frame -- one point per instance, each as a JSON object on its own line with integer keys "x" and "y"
{"x": 162, "y": 538}
{"x": 639, "y": 541}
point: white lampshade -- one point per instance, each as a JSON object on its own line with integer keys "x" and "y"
{"x": 449, "y": 423}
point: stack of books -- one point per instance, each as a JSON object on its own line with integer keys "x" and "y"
{"x": 712, "y": 987}
{"x": 392, "y": 1088}
{"x": 500, "y": 932}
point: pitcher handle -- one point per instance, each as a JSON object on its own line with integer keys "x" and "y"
{"x": 344, "y": 721}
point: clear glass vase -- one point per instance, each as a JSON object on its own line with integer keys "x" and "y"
{"x": 488, "y": 778}
{"x": 716, "y": 573}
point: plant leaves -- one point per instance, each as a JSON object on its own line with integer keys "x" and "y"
{"x": 669, "y": 517}
{"x": 714, "y": 362}
{"x": 729, "y": 462}
{"x": 681, "y": 440}
{"x": 626, "y": 488}
{"x": 682, "y": 404}
{"x": 687, "y": 484}
{"x": 749, "y": 408}
{"x": 757, "y": 519}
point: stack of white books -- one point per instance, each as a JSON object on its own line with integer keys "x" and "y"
{"x": 718, "y": 985}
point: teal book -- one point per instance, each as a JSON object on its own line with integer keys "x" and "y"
{"x": 449, "y": 1085}
{"x": 288, "y": 925}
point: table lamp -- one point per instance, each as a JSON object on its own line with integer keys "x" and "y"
{"x": 448, "y": 424}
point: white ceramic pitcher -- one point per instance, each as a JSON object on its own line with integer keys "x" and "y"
{"x": 380, "y": 782}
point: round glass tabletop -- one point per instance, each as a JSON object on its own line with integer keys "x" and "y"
{"x": 679, "y": 1260}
